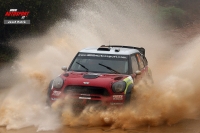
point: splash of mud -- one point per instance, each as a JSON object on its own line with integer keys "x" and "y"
{"x": 175, "y": 93}
{"x": 168, "y": 102}
{"x": 173, "y": 97}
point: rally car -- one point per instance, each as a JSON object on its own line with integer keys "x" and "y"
{"x": 105, "y": 75}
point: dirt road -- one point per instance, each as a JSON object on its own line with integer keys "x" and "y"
{"x": 186, "y": 126}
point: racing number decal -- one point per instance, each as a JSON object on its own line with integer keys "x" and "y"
{"x": 129, "y": 81}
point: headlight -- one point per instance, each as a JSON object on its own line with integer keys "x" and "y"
{"x": 58, "y": 82}
{"x": 119, "y": 86}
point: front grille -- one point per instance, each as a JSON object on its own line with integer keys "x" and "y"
{"x": 79, "y": 102}
{"x": 86, "y": 90}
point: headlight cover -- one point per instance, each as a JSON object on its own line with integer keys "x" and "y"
{"x": 119, "y": 87}
{"x": 58, "y": 82}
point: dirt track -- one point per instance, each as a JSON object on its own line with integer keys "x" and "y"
{"x": 186, "y": 126}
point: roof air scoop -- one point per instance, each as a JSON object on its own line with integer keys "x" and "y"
{"x": 117, "y": 50}
{"x": 103, "y": 49}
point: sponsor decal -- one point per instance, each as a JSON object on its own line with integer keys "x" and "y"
{"x": 117, "y": 97}
{"x": 56, "y": 93}
{"x": 13, "y": 16}
{"x": 53, "y": 99}
{"x": 129, "y": 81}
{"x": 104, "y": 56}
{"x": 84, "y": 97}
{"x": 86, "y": 83}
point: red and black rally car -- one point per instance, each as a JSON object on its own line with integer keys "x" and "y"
{"x": 104, "y": 75}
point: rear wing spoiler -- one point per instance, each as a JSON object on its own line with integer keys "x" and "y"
{"x": 141, "y": 49}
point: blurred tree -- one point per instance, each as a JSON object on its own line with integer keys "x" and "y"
{"x": 172, "y": 16}
{"x": 7, "y": 53}
{"x": 192, "y": 7}
{"x": 177, "y": 13}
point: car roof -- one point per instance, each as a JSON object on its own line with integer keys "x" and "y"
{"x": 112, "y": 50}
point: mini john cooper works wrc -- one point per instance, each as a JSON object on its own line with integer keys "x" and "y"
{"x": 104, "y": 75}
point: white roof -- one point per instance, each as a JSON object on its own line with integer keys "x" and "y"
{"x": 123, "y": 51}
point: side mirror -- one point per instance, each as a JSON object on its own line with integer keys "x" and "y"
{"x": 138, "y": 72}
{"x": 64, "y": 68}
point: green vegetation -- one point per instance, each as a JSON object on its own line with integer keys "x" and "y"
{"x": 7, "y": 53}
{"x": 172, "y": 16}
{"x": 178, "y": 13}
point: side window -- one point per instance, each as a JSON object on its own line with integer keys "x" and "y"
{"x": 134, "y": 63}
{"x": 140, "y": 60}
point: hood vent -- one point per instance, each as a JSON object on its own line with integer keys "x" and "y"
{"x": 118, "y": 78}
{"x": 88, "y": 76}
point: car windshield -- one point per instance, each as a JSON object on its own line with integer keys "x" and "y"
{"x": 100, "y": 63}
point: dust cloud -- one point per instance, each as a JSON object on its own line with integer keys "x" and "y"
{"x": 173, "y": 97}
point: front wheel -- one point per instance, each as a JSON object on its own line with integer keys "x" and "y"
{"x": 48, "y": 101}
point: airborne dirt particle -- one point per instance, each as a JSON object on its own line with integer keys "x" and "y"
{"x": 174, "y": 96}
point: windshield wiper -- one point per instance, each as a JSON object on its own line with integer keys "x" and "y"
{"x": 109, "y": 68}
{"x": 83, "y": 66}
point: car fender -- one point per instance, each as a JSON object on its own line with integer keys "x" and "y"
{"x": 128, "y": 90}
{"x": 129, "y": 81}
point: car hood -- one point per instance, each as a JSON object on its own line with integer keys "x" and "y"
{"x": 91, "y": 79}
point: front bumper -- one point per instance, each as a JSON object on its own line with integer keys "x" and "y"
{"x": 89, "y": 99}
